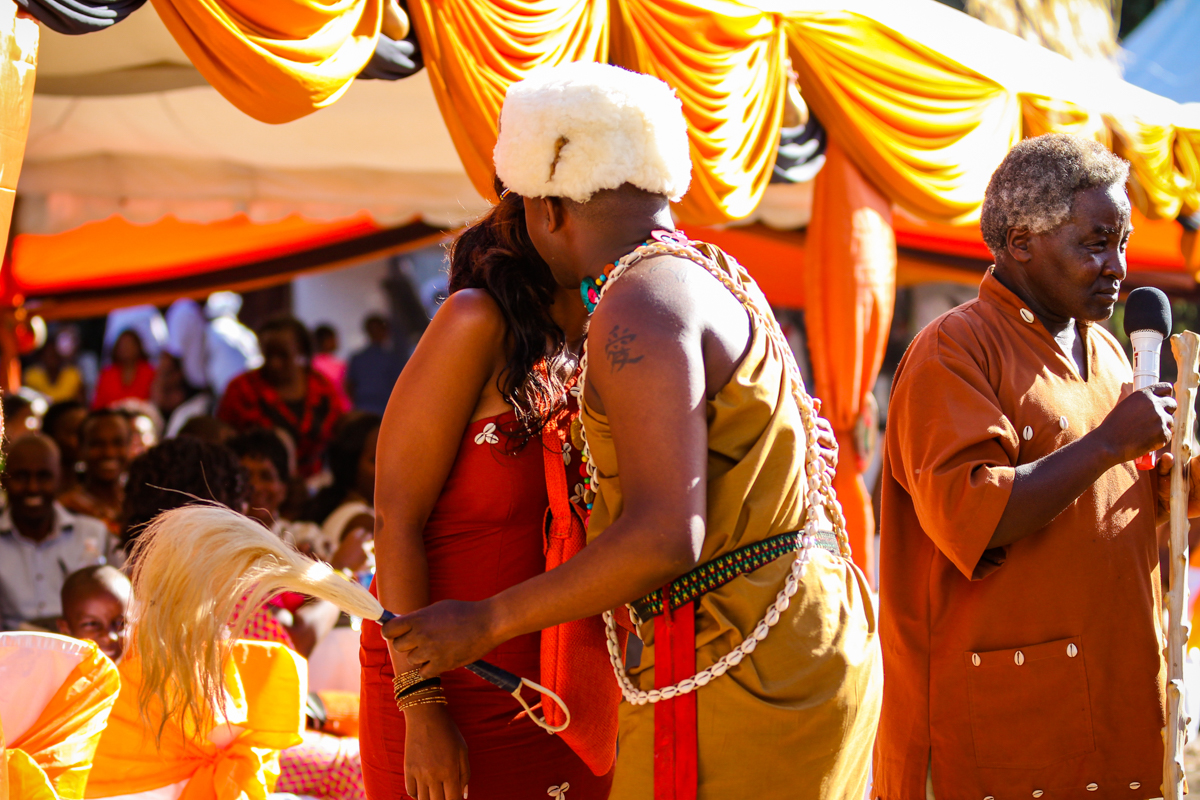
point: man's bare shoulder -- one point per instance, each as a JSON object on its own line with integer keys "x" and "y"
{"x": 655, "y": 293}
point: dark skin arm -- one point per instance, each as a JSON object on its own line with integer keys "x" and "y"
{"x": 647, "y": 362}
{"x": 1140, "y": 423}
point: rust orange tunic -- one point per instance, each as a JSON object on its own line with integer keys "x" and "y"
{"x": 1030, "y": 668}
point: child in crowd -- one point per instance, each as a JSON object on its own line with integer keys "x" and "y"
{"x": 106, "y": 438}
{"x": 95, "y": 604}
{"x": 347, "y": 506}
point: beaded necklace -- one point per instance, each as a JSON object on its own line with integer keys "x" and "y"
{"x": 820, "y": 493}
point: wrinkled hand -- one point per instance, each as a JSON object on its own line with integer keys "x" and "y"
{"x": 1140, "y": 423}
{"x": 827, "y": 442}
{"x": 1191, "y": 478}
{"x": 441, "y": 637}
{"x": 436, "y": 766}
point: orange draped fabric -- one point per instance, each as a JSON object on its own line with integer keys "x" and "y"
{"x": 474, "y": 49}
{"x": 850, "y": 285}
{"x": 266, "y": 685}
{"x": 18, "y": 66}
{"x": 725, "y": 60}
{"x": 276, "y": 60}
{"x": 51, "y": 760}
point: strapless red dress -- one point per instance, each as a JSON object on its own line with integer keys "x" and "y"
{"x": 483, "y": 536}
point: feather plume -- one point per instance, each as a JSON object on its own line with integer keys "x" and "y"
{"x": 191, "y": 567}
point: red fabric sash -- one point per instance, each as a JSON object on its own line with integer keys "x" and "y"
{"x": 676, "y": 757}
{"x": 574, "y": 655}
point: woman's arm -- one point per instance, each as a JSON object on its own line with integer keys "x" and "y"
{"x": 449, "y": 380}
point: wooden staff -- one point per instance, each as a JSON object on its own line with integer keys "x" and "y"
{"x": 1186, "y": 347}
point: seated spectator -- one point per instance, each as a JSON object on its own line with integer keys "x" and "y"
{"x": 41, "y": 543}
{"x": 106, "y": 441}
{"x": 53, "y": 376}
{"x": 373, "y": 371}
{"x": 325, "y": 359}
{"x": 19, "y": 417}
{"x": 62, "y": 423}
{"x": 176, "y": 398}
{"x": 286, "y": 393}
{"x": 207, "y": 429}
{"x": 174, "y": 474}
{"x": 129, "y": 374}
{"x": 348, "y": 504}
{"x": 265, "y": 459}
{"x": 95, "y": 606}
{"x": 231, "y": 347}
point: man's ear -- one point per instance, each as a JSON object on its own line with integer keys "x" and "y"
{"x": 1018, "y": 243}
{"x": 63, "y": 627}
{"x": 556, "y": 214}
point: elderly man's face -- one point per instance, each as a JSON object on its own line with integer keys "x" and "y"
{"x": 1077, "y": 268}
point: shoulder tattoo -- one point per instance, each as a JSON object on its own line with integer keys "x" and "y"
{"x": 619, "y": 348}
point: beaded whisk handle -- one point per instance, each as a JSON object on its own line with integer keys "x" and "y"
{"x": 819, "y": 495}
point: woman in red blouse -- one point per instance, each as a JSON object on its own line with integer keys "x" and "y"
{"x": 128, "y": 376}
{"x": 285, "y": 393}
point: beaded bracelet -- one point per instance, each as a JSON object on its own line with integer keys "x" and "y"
{"x": 431, "y": 683}
{"x": 429, "y": 697}
{"x": 406, "y": 679}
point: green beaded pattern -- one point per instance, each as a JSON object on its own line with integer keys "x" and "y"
{"x": 720, "y": 571}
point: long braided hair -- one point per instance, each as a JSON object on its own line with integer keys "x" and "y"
{"x": 496, "y": 254}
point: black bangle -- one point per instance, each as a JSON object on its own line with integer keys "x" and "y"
{"x": 428, "y": 683}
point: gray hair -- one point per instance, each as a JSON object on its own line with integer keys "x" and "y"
{"x": 1036, "y": 183}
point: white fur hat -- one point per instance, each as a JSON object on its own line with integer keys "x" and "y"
{"x": 574, "y": 129}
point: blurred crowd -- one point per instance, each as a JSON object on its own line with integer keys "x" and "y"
{"x": 180, "y": 405}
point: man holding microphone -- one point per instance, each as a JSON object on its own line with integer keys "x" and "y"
{"x": 1020, "y": 609}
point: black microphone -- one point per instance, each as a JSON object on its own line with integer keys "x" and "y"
{"x": 1147, "y": 323}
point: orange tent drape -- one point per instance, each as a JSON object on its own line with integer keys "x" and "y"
{"x": 725, "y": 60}
{"x": 474, "y": 49}
{"x": 276, "y": 60}
{"x": 850, "y": 286}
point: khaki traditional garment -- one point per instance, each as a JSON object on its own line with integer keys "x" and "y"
{"x": 796, "y": 718}
{"x": 1032, "y": 670}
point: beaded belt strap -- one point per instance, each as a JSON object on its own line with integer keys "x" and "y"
{"x": 721, "y": 570}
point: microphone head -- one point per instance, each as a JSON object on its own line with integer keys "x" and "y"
{"x": 1148, "y": 309}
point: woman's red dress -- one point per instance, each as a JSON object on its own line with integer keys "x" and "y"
{"x": 483, "y": 536}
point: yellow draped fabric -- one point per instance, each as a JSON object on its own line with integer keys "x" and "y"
{"x": 474, "y": 49}
{"x": 51, "y": 760}
{"x": 18, "y": 66}
{"x": 266, "y": 687}
{"x": 725, "y": 60}
{"x": 276, "y": 60}
{"x": 924, "y": 129}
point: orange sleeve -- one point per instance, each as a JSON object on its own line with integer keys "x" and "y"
{"x": 955, "y": 454}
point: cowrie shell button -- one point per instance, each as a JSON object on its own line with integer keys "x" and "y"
{"x": 1135, "y": 785}
{"x": 1072, "y": 650}
{"x": 1019, "y": 657}
{"x": 1091, "y": 787}
{"x": 1027, "y": 315}
{"x": 975, "y": 659}
{"x": 1062, "y": 423}
{"x": 1037, "y": 792}
{"x": 1027, "y": 434}
{"x": 989, "y": 797}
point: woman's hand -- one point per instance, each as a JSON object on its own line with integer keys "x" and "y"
{"x": 441, "y": 637}
{"x": 435, "y": 756}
